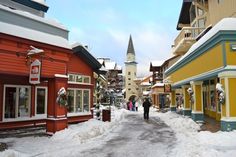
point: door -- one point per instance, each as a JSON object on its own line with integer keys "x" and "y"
{"x": 41, "y": 100}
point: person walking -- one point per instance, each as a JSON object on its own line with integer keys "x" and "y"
{"x": 130, "y": 105}
{"x": 146, "y": 105}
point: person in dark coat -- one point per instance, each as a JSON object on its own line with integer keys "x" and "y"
{"x": 146, "y": 105}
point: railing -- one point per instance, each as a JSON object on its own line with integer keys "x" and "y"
{"x": 188, "y": 33}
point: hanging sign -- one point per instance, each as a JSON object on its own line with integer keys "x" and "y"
{"x": 167, "y": 88}
{"x": 35, "y": 69}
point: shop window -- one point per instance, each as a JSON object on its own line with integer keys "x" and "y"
{"x": 86, "y": 101}
{"x": 78, "y": 100}
{"x": 41, "y": 100}
{"x": 16, "y": 101}
{"x": 70, "y": 101}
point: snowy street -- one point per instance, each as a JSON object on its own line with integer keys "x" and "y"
{"x": 136, "y": 137}
{"x": 127, "y": 135}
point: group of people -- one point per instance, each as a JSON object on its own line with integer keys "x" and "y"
{"x": 133, "y": 105}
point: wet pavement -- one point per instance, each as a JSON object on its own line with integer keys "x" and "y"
{"x": 136, "y": 137}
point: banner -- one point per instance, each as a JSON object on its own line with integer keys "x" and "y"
{"x": 35, "y": 69}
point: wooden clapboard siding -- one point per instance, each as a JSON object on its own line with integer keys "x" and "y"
{"x": 77, "y": 65}
{"x": 13, "y": 60}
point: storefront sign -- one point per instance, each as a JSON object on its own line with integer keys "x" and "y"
{"x": 35, "y": 69}
{"x": 167, "y": 88}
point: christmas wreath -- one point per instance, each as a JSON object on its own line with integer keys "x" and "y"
{"x": 62, "y": 98}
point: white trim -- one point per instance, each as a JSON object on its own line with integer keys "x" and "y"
{"x": 187, "y": 109}
{"x": 78, "y": 114}
{"x": 227, "y": 74}
{"x": 61, "y": 76}
{"x": 228, "y": 119}
{"x": 197, "y": 112}
{"x": 227, "y": 103}
{"x": 79, "y": 83}
{"x": 57, "y": 119}
{"x": 46, "y": 99}
{"x": 196, "y": 82}
{"x": 17, "y": 101}
{"x": 23, "y": 119}
{"x": 199, "y": 76}
{"x": 82, "y": 96}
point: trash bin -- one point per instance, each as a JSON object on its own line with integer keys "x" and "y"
{"x": 106, "y": 115}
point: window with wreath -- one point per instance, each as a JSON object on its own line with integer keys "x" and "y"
{"x": 78, "y": 100}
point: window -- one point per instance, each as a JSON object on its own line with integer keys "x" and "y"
{"x": 78, "y": 79}
{"x": 200, "y": 12}
{"x": 129, "y": 79}
{"x": 192, "y": 13}
{"x": 201, "y": 23}
{"x": 78, "y": 100}
{"x": 128, "y": 73}
{"x": 16, "y": 101}
{"x": 41, "y": 100}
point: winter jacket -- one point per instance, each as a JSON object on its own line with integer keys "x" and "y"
{"x": 146, "y": 104}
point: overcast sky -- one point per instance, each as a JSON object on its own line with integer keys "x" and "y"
{"x": 105, "y": 26}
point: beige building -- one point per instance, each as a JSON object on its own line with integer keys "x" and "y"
{"x": 131, "y": 88}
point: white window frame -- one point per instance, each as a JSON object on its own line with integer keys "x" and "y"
{"x": 82, "y": 96}
{"x": 46, "y": 100}
{"x": 17, "y": 102}
{"x": 83, "y": 77}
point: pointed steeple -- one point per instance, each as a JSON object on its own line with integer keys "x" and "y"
{"x": 130, "y": 46}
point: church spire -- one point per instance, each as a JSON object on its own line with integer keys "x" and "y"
{"x": 130, "y": 46}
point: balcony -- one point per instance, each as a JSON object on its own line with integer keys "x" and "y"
{"x": 185, "y": 39}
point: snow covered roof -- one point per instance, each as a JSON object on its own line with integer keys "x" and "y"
{"x": 157, "y": 63}
{"x": 223, "y": 25}
{"x": 145, "y": 84}
{"x": 51, "y": 22}
{"x": 158, "y": 84}
{"x": 40, "y": 2}
{"x": 34, "y": 35}
{"x": 110, "y": 65}
{"x": 118, "y": 67}
{"x": 146, "y": 92}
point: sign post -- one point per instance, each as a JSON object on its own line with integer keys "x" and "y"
{"x": 35, "y": 69}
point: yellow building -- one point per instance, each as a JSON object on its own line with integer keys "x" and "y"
{"x": 207, "y": 43}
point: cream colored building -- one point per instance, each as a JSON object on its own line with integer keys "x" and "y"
{"x": 131, "y": 88}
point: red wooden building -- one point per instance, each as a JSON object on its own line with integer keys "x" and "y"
{"x": 24, "y": 103}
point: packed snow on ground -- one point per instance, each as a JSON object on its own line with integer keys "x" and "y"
{"x": 69, "y": 142}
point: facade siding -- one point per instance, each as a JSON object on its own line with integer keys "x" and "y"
{"x": 200, "y": 65}
{"x": 217, "y": 11}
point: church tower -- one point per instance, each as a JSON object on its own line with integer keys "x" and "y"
{"x": 131, "y": 88}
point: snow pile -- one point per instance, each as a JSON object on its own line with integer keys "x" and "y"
{"x": 90, "y": 129}
{"x": 179, "y": 123}
{"x": 74, "y": 136}
{"x": 195, "y": 143}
